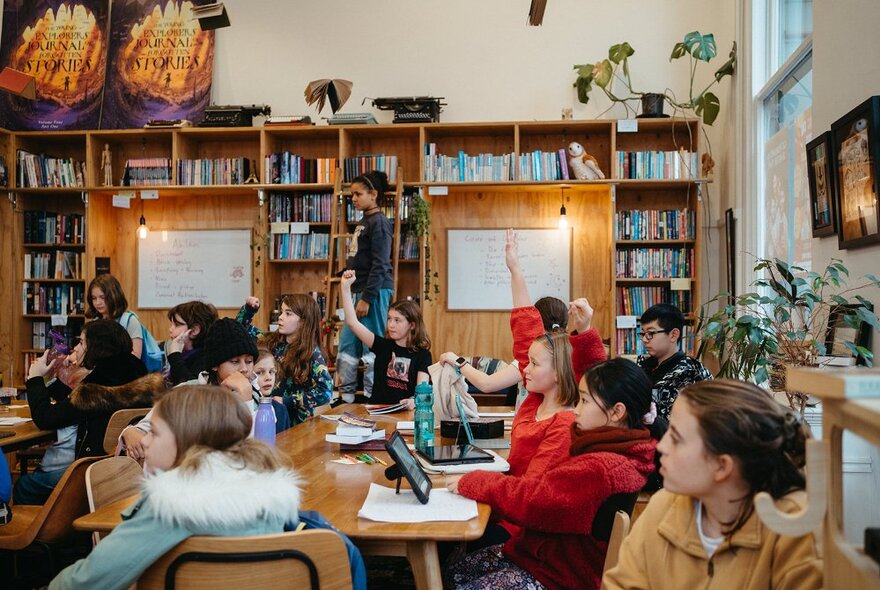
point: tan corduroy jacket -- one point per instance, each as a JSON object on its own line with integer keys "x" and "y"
{"x": 664, "y": 551}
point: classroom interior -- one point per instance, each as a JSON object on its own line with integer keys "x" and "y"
{"x": 507, "y": 88}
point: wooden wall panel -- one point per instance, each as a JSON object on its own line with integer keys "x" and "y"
{"x": 488, "y": 333}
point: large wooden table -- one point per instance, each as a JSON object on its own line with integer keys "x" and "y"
{"x": 25, "y": 434}
{"x": 338, "y": 491}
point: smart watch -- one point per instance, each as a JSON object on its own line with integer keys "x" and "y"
{"x": 460, "y": 362}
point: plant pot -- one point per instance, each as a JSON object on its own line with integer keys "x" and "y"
{"x": 797, "y": 400}
{"x": 652, "y": 106}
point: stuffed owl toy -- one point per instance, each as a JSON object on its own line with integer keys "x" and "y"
{"x": 582, "y": 165}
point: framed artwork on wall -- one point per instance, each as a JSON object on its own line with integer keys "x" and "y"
{"x": 845, "y": 329}
{"x": 821, "y": 180}
{"x": 854, "y": 141}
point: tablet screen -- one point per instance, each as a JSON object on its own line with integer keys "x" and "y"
{"x": 456, "y": 454}
{"x": 413, "y": 472}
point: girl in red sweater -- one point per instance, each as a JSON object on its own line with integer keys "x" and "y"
{"x": 610, "y": 452}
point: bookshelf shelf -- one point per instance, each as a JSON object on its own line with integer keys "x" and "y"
{"x": 53, "y": 280}
{"x": 666, "y": 280}
{"x": 653, "y": 242}
{"x": 48, "y": 315}
{"x": 298, "y": 260}
{"x": 64, "y": 246}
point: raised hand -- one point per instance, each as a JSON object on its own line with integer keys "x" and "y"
{"x": 252, "y": 302}
{"x": 580, "y": 315}
{"x": 511, "y": 251}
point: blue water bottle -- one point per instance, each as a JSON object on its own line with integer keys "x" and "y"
{"x": 424, "y": 418}
{"x": 264, "y": 422}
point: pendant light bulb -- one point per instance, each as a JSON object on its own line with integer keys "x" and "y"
{"x": 563, "y": 220}
{"x": 142, "y": 229}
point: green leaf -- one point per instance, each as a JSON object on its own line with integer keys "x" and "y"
{"x": 868, "y": 317}
{"x": 839, "y": 300}
{"x": 602, "y": 73}
{"x": 700, "y": 46}
{"x": 584, "y": 85}
{"x": 707, "y": 107}
{"x": 678, "y": 50}
{"x": 761, "y": 375}
{"x": 621, "y": 51}
{"x": 746, "y": 319}
{"x": 729, "y": 67}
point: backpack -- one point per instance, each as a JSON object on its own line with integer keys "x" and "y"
{"x": 151, "y": 354}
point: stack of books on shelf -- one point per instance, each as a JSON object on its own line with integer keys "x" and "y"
{"x": 650, "y": 165}
{"x": 362, "y": 164}
{"x": 46, "y": 227}
{"x": 64, "y": 299}
{"x": 466, "y": 168}
{"x": 300, "y": 246}
{"x": 636, "y": 300}
{"x": 539, "y": 165}
{"x": 42, "y": 171}
{"x": 651, "y": 224}
{"x": 41, "y": 329}
{"x": 61, "y": 264}
{"x": 353, "y": 430}
{"x": 654, "y": 263}
{"x": 409, "y": 247}
{"x": 629, "y": 342}
{"x": 147, "y": 172}
{"x": 289, "y": 168}
{"x": 310, "y": 207}
{"x": 205, "y": 172}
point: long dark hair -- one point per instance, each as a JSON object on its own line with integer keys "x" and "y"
{"x": 619, "y": 380}
{"x": 104, "y": 339}
{"x": 411, "y": 312}
{"x": 554, "y": 313}
{"x": 114, "y": 297}
{"x": 767, "y": 440}
{"x": 374, "y": 180}
{"x": 297, "y": 360}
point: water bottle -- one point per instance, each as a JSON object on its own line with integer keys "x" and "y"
{"x": 264, "y": 422}
{"x": 59, "y": 349}
{"x": 424, "y": 418}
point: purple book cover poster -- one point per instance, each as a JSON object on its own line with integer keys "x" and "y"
{"x": 160, "y": 63}
{"x": 63, "y": 45}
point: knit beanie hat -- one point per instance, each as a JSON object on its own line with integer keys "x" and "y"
{"x": 227, "y": 339}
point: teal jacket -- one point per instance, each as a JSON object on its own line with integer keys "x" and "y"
{"x": 219, "y": 498}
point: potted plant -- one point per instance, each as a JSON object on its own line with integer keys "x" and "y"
{"x": 756, "y": 334}
{"x": 705, "y": 104}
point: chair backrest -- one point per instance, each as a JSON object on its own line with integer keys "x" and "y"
{"x": 618, "y": 532}
{"x": 118, "y": 421}
{"x": 317, "y": 557}
{"x": 606, "y": 515}
{"x": 112, "y": 479}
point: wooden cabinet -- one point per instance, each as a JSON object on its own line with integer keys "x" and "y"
{"x": 497, "y": 197}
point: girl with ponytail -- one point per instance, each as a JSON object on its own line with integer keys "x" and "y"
{"x": 727, "y": 441}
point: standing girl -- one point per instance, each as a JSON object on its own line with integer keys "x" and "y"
{"x": 727, "y": 441}
{"x": 304, "y": 382}
{"x": 105, "y": 299}
{"x": 205, "y": 477}
{"x": 369, "y": 256}
{"x": 402, "y": 357}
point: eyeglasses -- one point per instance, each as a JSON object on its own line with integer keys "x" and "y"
{"x": 649, "y": 335}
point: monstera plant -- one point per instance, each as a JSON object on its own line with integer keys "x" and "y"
{"x": 616, "y": 68}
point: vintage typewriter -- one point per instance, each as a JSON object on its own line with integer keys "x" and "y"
{"x": 351, "y": 119}
{"x": 412, "y": 109}
{"x": 233, "y": 115}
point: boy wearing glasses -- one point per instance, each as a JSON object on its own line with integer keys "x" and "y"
{"x": 668, "y": 368}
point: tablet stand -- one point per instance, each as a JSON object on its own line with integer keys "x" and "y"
{"x": 393, "y": 473}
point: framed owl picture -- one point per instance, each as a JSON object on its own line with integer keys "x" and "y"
{"x": 820, "y": 173}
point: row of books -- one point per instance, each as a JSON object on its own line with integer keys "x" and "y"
{"x": 61, "y": 264}
{"x": 362, "y": 164}
{"x": 300, "y": 246}
{"x": 467, "y": 168}
{"x": 147, "y": 172}
{"x": 650, "y": 165}
{"x": 40, "y": 330}
{"x": 319, "y": 296}
{"x": 654, "y": 263}
{"x": 651, "y": 224}
{"x": 40, "y": 170}
{"x": 62, "y": 299}
{"x": 203, "y": 172}
{"x": 540, "y": 165}
{"x": 352, "y": 215}
{"x": 47, "y": 227}
{"x": 289, "y": 168}
{"x": 636, "y": 300}
{"x": 409, "y": 247}
{"x": 629, "y": 342}
{"x": 310, "y": 207}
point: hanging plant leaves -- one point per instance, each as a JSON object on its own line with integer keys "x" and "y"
{"x": 678, "y": 50}
{"x": 702, "y": 47}
{"x": 621, "y": 51}
{"x": 707, "y": 106}
{"x": 729, "y": 67}
{"x": 584, "y": 85}
{"x": 602, "y": 73}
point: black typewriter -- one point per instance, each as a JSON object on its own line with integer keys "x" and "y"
{"x": 233, "y": 115}
{"x": 412, "y": 109}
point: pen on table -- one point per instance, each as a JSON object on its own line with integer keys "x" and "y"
{"x": 378, "y": 460}
{"x": 365, "y": 458}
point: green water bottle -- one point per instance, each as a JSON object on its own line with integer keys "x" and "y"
{"x": 424, "y": 418}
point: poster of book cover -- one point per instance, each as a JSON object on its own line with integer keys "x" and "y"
{"x": 160, "y": 63}
{"x": 63, "y": 45}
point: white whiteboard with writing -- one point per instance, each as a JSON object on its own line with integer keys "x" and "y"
{"x": 182, "y": 265}
{"x": 478, "y": 278}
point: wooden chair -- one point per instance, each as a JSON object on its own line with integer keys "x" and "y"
{"x": 112, "y": 479}
{"x": 217, "y": 563}
{"x": 118, "y": 422}
{"x": 47, "y": 524}
{"x": 618, "y": 532}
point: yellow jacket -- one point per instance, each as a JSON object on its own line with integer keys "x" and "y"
{"x": 664, "y": 551}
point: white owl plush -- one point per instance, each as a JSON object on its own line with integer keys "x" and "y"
{"x": 582, "y": 165}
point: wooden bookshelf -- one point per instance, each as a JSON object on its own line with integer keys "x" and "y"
{"x": 590, "y": 205}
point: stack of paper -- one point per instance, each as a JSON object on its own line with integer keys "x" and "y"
{"x": 354, "y": 430}
{"x": 375, "y": 409}
{"x": 383, "y": 505}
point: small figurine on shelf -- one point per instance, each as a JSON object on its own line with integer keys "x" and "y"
{"x": 583, "y": 166}
{"x": 567, "y": 113}
{"x": 107, "y": 165}
{"x": 252, "y": 179}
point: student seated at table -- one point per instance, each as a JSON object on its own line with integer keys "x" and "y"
{"x": 81, "y": 415}
{"x": 205, "y": 476}
{"x": 230, "y": 352}
{"x": 403, "y": 355}
{"x": 185, "y": 347}
{"x": 610, "y": 452}
{"x": 727, "y": 441}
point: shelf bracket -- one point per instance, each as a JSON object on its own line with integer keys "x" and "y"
{"x": 700, "y": 192}
{"x": 85, "y": 198}
{"x": 261, "y": 197}
{"x": 12, "y": 199}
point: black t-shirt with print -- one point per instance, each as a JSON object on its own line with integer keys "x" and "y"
{"x": 395, "y": 370}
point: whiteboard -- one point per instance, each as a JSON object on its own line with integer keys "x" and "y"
{"x": 478, "y": 278}
{"x": 175, "y": 266}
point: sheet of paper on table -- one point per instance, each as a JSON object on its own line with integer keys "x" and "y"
{"x": 383, "y": 505}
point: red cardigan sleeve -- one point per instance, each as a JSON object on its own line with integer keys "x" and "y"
{"x": 586, "y": 350}
{"x": 525, "y": 326}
